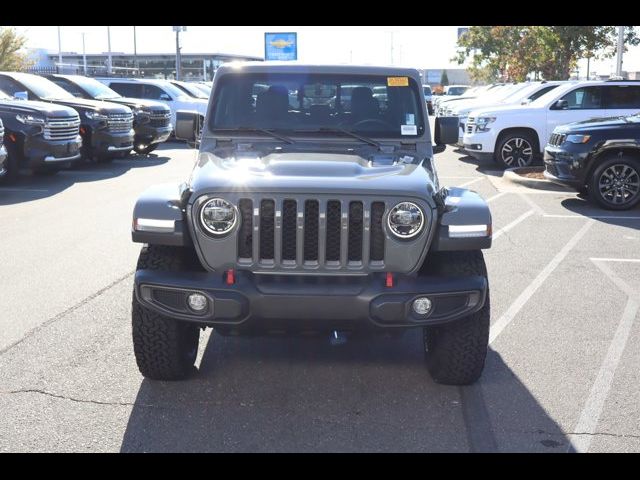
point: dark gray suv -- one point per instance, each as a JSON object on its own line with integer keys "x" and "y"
{"x": 308, "y": 213}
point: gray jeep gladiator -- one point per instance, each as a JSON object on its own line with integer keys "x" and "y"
{"x": 305, "y": 213}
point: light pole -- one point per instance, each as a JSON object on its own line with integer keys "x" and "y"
{"x": 84, "y": 56}
{"x": 59, "y": 52}
{"x": 135, "y": 52}
{"x": 620, "y": 48}
{"x": 178, "y": 56}
{"x": 109, "y": 64}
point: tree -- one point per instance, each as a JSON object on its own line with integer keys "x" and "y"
{"x": 444, "y": 79}
{"x": 511, "y": 53}
{"x": 11, "y": 58}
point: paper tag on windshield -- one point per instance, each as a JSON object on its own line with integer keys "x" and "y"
{"x": 397, "y": 81}
{"x": 410, "y": 119}
{"x": 408, "y": 130}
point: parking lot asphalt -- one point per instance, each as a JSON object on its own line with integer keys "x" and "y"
{"x": 561, "y": 374}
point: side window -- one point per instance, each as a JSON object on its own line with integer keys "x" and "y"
{"x": 9, "y": 86}
{"x": 585, "y": 98}
{"x": 541, "y": 92}
{"x": 623, "y": 97}
{"x": 72, "y": 88}
{"x": 153, "y": 92}
{"x": 132, "y": 90}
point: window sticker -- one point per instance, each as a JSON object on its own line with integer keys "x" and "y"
{"x": 408, "y": 130}
{"x": 397, "y": 81}
{"x": 410, "y": 119}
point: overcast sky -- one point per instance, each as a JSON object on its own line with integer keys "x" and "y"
{"x": 420, "y": 47}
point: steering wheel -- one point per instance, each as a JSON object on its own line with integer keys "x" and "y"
{"x": 373, "y": 121}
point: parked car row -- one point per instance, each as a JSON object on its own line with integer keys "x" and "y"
{"x": 54, "y": 120}
{"x": 588, "y": 133}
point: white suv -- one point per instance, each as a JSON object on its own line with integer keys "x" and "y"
{"x": 519, "y": 94}
{"x": 515, "y": 135}
{"x": 160, "y": 90}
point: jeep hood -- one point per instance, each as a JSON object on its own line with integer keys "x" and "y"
{"x": 299, "y": 172}
{"x": 600, "y": 123}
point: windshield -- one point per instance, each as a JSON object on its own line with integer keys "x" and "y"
{"x": 190, "y": 90}
{"x": 94, "y": 88}
{"x": 43, "y": 88}
{"x": 427, "y": 90}
{"x": 456, "y": 90}
{"x": 552, "y": 95}
{"x": 205, "y": 88}
{"x": 373, "y": 105}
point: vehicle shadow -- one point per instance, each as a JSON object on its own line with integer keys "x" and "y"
{"x": 303, "y": 394}
{"x": 582, "y": 206}
{"x": 486, "y": 167}
{"x": 34, "y": 187}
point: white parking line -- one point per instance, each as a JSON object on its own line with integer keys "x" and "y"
{"x": 537, "y": 282}
{"x": 599, "y": 217}
{"x": 471, "y": 182}
{"x": 592, "y": 410}
{"x": 495, "y": 197}
{"x": 532, "y": 204}
{"x": 630, "y": 260}
{"x": 508, "y": 227}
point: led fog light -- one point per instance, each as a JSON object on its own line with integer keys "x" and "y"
{"x": 421, "y": 305}
{"x": 197, "y": 302}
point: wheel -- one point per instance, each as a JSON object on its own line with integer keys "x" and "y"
{"x": 615, "y": 183}
{"x": 515, "y": 150}
{"x": 145, "y": 149}
{"x": 165, "y": 349}
{"x": 455, "y": 352}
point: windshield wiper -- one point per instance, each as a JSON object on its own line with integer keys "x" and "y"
{"x": 270, "y": 132}
{"x": 345, "y": 132}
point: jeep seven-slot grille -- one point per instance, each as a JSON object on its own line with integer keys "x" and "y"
{"x": 557, "y": 139}
{"x": 120, "y": 122}
{"x": 61, "y": 128}
{"x": 310, "y": 233}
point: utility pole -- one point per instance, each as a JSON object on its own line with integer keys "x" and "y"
{"x": 59, "y": 52}
{"x": 84, "y": 56}
{"x": 109, "y": 61}
{"x": 178, "y": 55}
{"x": 620, "y": 49}
{"x": 135, "y": 52}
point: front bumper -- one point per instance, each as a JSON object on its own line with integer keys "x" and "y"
{"x": 479, "y": 144}
{"x": 286, "y": 302}
{"x": 39, "y": 152}
{"x": 148, "y": 135}
{"x": 567, "y": 164}
{"x": 106, "y": 143}
{"x": 3, "y": 159}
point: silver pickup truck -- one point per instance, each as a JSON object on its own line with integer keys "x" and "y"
{"x": 305, "y": 213}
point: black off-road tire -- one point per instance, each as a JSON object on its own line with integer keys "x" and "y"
{"x": 165, "y": 348}
{"x": 456, "y": 352}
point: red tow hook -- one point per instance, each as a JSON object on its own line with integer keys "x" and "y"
{"x": 231, "y": 277}
{"x": 389, "y": 280}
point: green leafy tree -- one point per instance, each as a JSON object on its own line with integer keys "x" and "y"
{"x": 11, "y": 57}
{"x": 511, "y": 53}
{"x": 444, "y": 79}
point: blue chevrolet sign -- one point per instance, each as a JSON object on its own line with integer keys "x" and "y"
{"x": 281, "y": 46}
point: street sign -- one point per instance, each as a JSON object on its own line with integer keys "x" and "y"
{"x": 281, "y": 46}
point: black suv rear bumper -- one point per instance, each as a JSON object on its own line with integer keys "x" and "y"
{"x": 273, "y": 302}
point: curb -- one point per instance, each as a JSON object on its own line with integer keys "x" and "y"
{"x": 511, "y": 176}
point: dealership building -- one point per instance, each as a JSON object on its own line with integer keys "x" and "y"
{"x": 195, "y": 66}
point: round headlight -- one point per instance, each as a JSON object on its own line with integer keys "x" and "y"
{"x": 218, "y": 216}
{"x": 405, "y": 220}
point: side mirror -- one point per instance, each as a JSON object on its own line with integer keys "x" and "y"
{"x": 164, "y": 96}
{"x": 560, "y": 105}
{"x": 21, "y": 96}
{"x": 187, "y": 126}
{"x": 446, "y": 132}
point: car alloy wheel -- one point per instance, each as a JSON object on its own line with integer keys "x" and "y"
{"x": 517, "y": 152}
{"x": 619, "y": 184}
